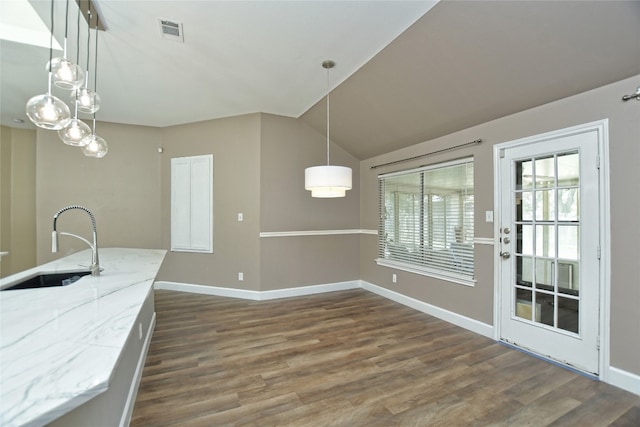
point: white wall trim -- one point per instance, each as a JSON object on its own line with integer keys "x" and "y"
{"x": 315, "y": 233}
{"x": 257, "y": 295}
{"x": 483, "y": 240}
{"x": 208, "y": 290}
{"x": 623, "y": 379}
{"x": 446, "y": 315}
{"x": 137, "y": 376}
{"x": 611, "y": 375}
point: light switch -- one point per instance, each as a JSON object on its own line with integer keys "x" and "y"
{"x": 240, "y": 216}
{"x": 488, "y": 215}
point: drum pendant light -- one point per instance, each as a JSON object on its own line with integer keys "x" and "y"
{"x": 327, "y": 181}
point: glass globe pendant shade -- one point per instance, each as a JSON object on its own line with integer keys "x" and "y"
{"x": 48, "y": 112}
{"x": 327, "y": 181}
{"x": 75, "y": 133}
{"x": 66, "y": 74}
{"x": 88, "y": 100}
{"x": 95, "y": 147}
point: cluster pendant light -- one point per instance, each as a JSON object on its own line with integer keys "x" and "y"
{"x": 64, "y": 73}
{"x": 75, "y": 132}
{"x": 49, "y": 112}
{"x": 94, "y": 145}
{"x": 88, "y": 101}
{"x": 327, "y": 181}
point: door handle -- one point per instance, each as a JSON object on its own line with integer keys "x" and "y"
{"x": 505, "y": 255}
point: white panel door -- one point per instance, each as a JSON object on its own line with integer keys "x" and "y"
{"x": 201, "y": 173}
{"x": 549, "y": 248}
{"x": 192, "y": 204}
{"x": 180, "y": 203}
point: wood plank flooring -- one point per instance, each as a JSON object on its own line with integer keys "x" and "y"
{"x": 350, "y": 358}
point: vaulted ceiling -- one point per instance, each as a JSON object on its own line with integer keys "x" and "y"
{"x": 469, "y": 62}
{"x": 407, "y": 71}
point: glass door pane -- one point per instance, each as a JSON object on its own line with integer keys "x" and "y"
{"x": 547, "y": 287}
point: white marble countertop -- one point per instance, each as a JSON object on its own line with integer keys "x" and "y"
{"x": 60, "y": 345}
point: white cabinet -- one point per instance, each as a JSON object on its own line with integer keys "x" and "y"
{"x": 192, "y": 204}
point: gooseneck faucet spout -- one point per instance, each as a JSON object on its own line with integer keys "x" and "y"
{"x": 95, "y": 263}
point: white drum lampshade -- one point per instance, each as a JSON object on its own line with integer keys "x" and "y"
{"x": 327, "y": 181}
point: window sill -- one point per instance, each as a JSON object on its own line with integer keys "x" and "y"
{"x": 425, "y": 271}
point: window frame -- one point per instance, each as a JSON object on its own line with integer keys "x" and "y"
{"x": 426, "y": 238}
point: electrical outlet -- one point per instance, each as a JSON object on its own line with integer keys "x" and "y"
{"x": 394, "y": 278}
{"x": 241, "y": 276}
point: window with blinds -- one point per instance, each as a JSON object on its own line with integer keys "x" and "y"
{"x": 426, "y": 220}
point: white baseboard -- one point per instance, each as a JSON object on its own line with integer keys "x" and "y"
{"x": 614, "y": 376}
{"x": 137, "y": 376}
{"x": 257, "y": 295}
{"x": 624, "y": 380}
{"x": 208, "y": 290}
{"x": 446, "y": 315}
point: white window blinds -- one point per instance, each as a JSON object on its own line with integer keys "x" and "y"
{"x": 426, "y": 220}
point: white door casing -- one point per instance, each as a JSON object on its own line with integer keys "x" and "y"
{"x": 552, "y": 282}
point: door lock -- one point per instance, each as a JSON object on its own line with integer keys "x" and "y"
{"x": 505, "y": 255}
{"x": 506, "y": 240}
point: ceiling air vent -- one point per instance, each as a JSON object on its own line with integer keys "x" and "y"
{"x": 171, "y": 30}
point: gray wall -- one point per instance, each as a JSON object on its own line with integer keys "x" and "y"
{"x": 235, "y": 145}
{"x": 121, "y": 190}
{"x": 288, "y": 146}
{"x": 477, "y": 302}
{"x": 259, "y": 163}
{"x": 18, "y": 199}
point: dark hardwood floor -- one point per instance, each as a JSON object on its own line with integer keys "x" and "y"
{"x": 350, "y": 358}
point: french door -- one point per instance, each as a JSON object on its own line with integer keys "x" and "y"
{"x": 549, "y": 247}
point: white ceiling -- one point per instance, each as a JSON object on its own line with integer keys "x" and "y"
{"x": 238, "y": 57}
{"x": 407, "y": 71}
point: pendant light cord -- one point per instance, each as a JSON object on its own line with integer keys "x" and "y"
{"x": 76, "y": 91}
{"x": 95, "y": 73}
{"x": 86, "y": 81}
{"x": 50, "y": 49}
{"x": 66, "y": 26}
{"x": 328, "y": 91}
{"x": 78, "y": 38}
{"x": 95, "y": 64}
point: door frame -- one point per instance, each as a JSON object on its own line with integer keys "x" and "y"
{"x": 602, "y": 129}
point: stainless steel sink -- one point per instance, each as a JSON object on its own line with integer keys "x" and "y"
{"x": 46, "y": 280}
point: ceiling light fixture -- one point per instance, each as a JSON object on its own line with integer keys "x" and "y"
{"x": 88, "y": 100}
{"x": 327, "y": 181}
{"x": 94, "y": 145}
{"x": 47, "y": 111}
{"x": 76, "y": 131}
{"x": 66, "y": 74}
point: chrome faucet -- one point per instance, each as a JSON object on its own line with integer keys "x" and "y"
{"x": 95, "y": 264}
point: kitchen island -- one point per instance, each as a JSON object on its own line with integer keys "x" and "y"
{"x": 69, "y": 353}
